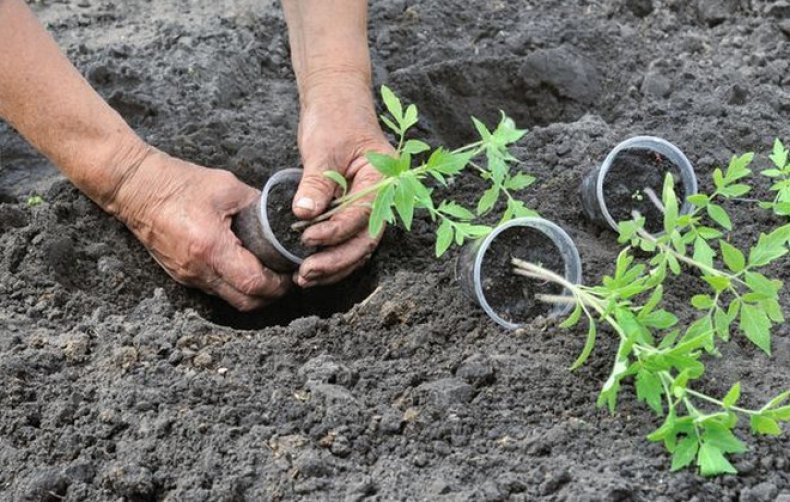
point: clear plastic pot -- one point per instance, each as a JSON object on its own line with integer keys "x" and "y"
{"x": 469, "y": 264}
{"x": 252, "y": 227}
{"x": 593, "y": 201}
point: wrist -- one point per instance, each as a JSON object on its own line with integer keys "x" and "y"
{"x": 336, "y": 82}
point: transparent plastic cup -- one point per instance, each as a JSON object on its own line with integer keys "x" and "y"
{"x": 470, "y": 261}
{"x": 252, "y": 227}
{"x": 593, "y": 201}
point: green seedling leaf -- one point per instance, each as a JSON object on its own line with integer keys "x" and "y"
{"x": 339, "y": 179}
{"x": 711, "y": 461}
{"x": 756, "y": 326}
{"x": 410, "y": 117}
{"x": 732, "y": 256}
{"x": 35, "y": 200}
{"x": 574, "y": 318}
{"x": 487, "y": 201}
{"x": 650, "y": 390}
{"x": 385, "y": 164}
{"x": 485, "y": 134}
{"x": 414, "y": 146}
{"x": 732, "y": 395}
{"x": 404, "y": 204}
{"x": 454, "y": 209}
{"x": 721, "y": 323}
{"x": 698, "y": 199}
{"x": 719, "y": 215}
{"x": 765, "y": 425}
{"x": 779, "y": 155}
{"x": 519, "y": 182}
{"x": 702, "y": 302}
{"x": 381, "y": 211}
{"x": 685, "y": 452}
{"x": 392, "y": 103}
{"x": 670, "y": 204}
{"x": 444, "y": 237}
{"x": 703, "y": 253}
{"x": 391, "y": 125}
{"x": 739, "y": 167}
{"x": 589, "y": 344}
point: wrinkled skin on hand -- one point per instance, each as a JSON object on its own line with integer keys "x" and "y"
{"x": 336, "y": 129}
{"x": 182, "y": 213}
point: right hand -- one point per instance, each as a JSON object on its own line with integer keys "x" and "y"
{"x": 182, "y": 213}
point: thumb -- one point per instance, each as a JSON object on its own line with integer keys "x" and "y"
{"x": 315, "y": 191}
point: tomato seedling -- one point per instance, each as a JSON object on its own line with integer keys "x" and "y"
{"x": 665, "y": 360}
{"x": 781, "y": 177}
{"x": 402, "y": 188}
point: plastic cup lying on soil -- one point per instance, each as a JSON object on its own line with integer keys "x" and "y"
{"x": 264, "y": 227}
{"x": 485, "y": 271}
{"x": 632, "y": 179}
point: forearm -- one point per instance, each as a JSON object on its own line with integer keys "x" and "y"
{"x": 329, "y": 45}
{"x": 46, "y": 99}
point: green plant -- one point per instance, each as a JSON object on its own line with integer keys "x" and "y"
{"x": 738, "y": 290}
{"x": 781, "y": 176}
{"x": 35, "y": 200}
{"x": 664, "y": 359}
{"x": 402, "y": 188}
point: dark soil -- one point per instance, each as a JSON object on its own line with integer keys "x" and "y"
{"x": 281, "y": 217}
{"x": 513, "y": 296}
{"x": 632, "y": 171}
{"x": 117, "y": 385}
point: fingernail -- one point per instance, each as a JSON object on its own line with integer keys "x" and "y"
{"x": 305, "y": 203}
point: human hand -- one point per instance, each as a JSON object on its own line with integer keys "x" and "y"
{"x": 337, "y": 127}
{"x": 182, "y": 213}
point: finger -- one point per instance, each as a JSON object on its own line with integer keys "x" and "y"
{"x": 241, "y": 270}
{"x": 315, "y": 192}
{"x": 338, "y": 229}
{"x": 352, "y": 220}
{"x": 333, "y": 264}
{"x": 239, "y": 301}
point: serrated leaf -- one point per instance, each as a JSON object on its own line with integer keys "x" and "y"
{"x": 519, "y": 182}
{"x": 698, "y": 199}
{"x": 482, "y": 130}
{"x": 488, "y": 200}
{"x": 684, "y": 453}
{"x": 381, "y": 211}
{"x": 756, "y": 326}
{"x": 732, "y": 395}
{"x": 650, "y": 390}
{"x": 444, "y": 237}
{"x": 765, "y": 425}
{"x": 711, "y": 461}
{"x": 738, "y": 167}
{"x": 721, "y": 323}
{"x": 732, "y": 256}
{"x": 410, "y": 117}
{"x": 719, "y": 215}
{"x": 385, "y": 164}
{"x": 779, "y": 154}
{"x": 721, "y": 437}
{"x": 404, "y": 204}
{"x": 762, "y": 285}
{"x": 703, "y": 253}
{"x": 391, "y": 125}
{"x": 414, "y": 146}
{"x": 392, "y": 103}
{"x": 454, "y": 209}
{"x": 702, "y": 302}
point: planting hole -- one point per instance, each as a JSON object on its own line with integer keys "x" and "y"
{"x": 320, "y": 301}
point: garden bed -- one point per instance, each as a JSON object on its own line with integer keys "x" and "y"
{"x": 117, "y": 382}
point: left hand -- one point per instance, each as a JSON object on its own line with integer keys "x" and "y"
{"x": 337, "y": 127}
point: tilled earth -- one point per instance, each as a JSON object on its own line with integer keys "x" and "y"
{"x": 118, "y": 384}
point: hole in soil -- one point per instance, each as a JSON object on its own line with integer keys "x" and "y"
{"x": 321, "y": 301}
{"x": 448, "y": 93}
